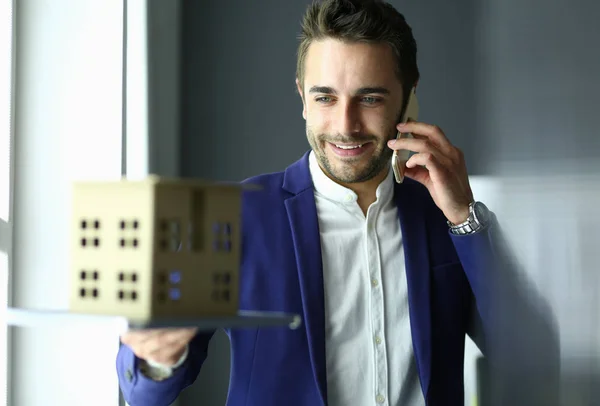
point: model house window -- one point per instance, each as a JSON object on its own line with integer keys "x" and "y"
{"x": 6, "y": 81}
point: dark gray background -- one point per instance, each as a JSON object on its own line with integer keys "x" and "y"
{"x": 241, "y": 112}
{"x": 513, "y": 83}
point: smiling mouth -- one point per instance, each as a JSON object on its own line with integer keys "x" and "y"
{"x": 350, "y": 150}
{"x": 348, "y": 146}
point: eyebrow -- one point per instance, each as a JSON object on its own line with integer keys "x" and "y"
{"x": 359, "y": 92}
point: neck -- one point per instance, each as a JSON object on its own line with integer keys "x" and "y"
{"x": 366, "y": 191}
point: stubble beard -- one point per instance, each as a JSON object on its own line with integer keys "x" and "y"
{"x": 379, "y": 160}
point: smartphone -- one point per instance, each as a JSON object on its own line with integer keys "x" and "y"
{"x": 399, "y": 158}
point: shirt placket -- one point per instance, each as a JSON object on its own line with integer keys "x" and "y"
{"x": 377, "y": 308}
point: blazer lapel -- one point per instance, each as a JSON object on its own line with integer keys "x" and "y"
{"x": 414, "y": 236}
{"x": 302, "y": 215}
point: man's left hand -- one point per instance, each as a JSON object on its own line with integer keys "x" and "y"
{"x": 439, "y": 166}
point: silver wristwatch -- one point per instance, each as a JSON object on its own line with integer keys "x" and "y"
{"x": 478, "y": 218}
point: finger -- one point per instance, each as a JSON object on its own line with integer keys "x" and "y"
{"x": 167, "y": 339}
{"x": 419, "y": 174}
{"x": 155, "y": 347}
{"x": 166, "y": 350}
{"x": 167, "y": 355}
{"x": 412, "y": 144}
{"x": 416, "y": 145}
{"x": 136, "y": 337}
{"x": 422, "y": 146}
{"x": 430, "y": 131}
{"x": 425, "y": 159}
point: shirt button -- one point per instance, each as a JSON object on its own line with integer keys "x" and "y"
{"x": 380, "y": 399}
{"x": 374, "y": 282}
{"x": 349, "y": 198}
{"x": 377, "y": 340}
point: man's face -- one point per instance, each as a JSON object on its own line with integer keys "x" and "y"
{"x": 351, "y": 103}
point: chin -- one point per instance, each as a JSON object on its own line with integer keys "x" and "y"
{"x": 350, "y": 173}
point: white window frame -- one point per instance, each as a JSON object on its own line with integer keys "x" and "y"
{"x": 31, "y": 96}
{"x": 6, "y": 225}
{"x": 142, "y": 138}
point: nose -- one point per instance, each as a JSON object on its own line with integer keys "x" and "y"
{"x": 347, "y": 119}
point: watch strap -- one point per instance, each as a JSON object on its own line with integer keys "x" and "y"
{"x": 159, "y": 372}
{"x": 469, "y": 226}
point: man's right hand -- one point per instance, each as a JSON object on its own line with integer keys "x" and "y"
{"x": 164, "y": 346}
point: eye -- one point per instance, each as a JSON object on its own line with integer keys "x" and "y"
{"x": 370, "y": 100}
{"x": 323, "y": 99}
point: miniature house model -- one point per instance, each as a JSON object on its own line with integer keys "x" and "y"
{"x": 155, "y": 249}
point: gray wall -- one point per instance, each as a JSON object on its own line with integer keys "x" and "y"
{"x": 241, "y": 114}
{"x": 513, "y": 83}
{"x": 541, "y": 86}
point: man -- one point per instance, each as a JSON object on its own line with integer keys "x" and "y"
{"x": 383, "y": 274}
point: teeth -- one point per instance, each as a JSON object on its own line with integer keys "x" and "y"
{"x": 349, "y": 146}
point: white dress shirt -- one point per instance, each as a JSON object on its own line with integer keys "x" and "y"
{"x": 370, "y": 359}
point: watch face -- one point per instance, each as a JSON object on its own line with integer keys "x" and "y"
{"x": 481, "y": 211}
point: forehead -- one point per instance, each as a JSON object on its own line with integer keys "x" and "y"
{"x": 350, "y": 65}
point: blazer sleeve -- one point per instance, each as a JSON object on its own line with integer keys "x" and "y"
{"x": 139, "y": 390}
{"x": 510, "y": 322}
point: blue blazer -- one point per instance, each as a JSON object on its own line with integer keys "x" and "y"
{"x": 281, "y": 271}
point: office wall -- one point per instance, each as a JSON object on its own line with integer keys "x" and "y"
{"x": 241, "y": 114}
{"x": 541, "y": 92}
{"x": 540, "y": 64}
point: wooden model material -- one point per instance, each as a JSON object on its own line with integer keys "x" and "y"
{"x": 155, "y": 249}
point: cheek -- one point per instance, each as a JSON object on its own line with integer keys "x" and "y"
{"x": 380, "y": 126}
{"x": 316, "y": 118}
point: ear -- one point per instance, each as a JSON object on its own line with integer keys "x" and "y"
{"x": 299, "y": 87}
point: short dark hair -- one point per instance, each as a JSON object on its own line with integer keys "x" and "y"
{"x": 370, "y": 21}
